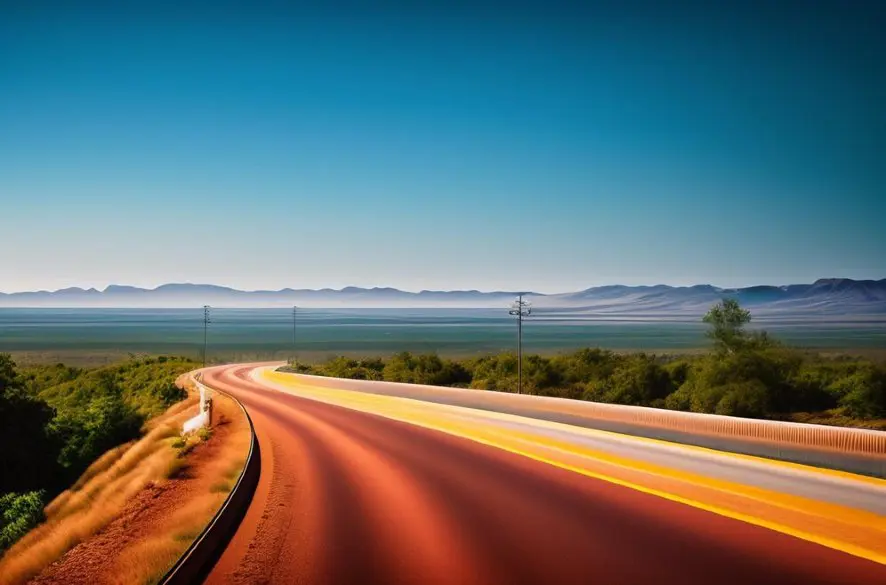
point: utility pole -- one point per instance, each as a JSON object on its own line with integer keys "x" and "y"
{"x": 294, "y": 350}
{"x": 206, "y": 322}
{"x": 520, "y": 309}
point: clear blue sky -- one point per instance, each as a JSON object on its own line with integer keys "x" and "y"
{"x": 547, "y": 147}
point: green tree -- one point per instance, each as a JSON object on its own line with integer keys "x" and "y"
{"x": 749, "y": 399}
{"x": 739, "y": 384}
{"x": 496, "y": 372}
{"x": 727, "y": 320}
{"x": 19, "y": 513}
{"x": 585, "y": 365}
{"x": 541, "y": 376}
{"x": 8, "y": 375}
{"x": 425, "y": 369}
{"x": 27, "y": 449}
{"x": 105, "y": 423}
{"x": 863, "y": 394}
{"x": 342, "y": 367}
{"x": 399, "y": 368}
{"x": 637, "y": 380}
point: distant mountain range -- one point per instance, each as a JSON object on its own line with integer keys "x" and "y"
{"x": 830, "y": 297}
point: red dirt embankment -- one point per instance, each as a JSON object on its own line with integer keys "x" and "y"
{"x": 128, "y": 522}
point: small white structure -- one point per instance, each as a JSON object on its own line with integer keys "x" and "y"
{"x": 204, "y": 417}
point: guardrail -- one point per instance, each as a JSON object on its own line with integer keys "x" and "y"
{"x": 199, "y": 559}
{"x": 848, "y": 449}
{"x": 841, "y": 439}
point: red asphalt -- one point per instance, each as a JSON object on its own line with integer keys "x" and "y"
{"x": 352, "y": 498}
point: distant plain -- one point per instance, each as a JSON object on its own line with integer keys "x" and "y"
{"x": 93, "y": 336}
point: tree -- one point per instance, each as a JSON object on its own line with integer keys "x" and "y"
{"x": 106, "y": 422}
{"x": 495, "y": 372}
{"x": 748, "y": 399}
{"x": 18, "y": 514}
{"x": 638, "y": 381}
{"x": 400, "y": 368}
{"x": 737, "y": 384}
{"x": 425, "y": 369}
{"x": 863, "y": 394}
{"x": 27, "y": 449}
{"x": 727, "y": 320}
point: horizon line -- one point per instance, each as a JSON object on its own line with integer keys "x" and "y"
{"x": 393, "y": 288}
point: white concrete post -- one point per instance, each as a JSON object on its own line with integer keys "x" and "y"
{"x": 204, "y": 417}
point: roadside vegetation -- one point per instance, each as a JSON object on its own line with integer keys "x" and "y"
{"x": 135, "y": 508}
{"x": 95, "y": 498}
{"x": 56, "y": 420}
{"x": 747, "y": 374}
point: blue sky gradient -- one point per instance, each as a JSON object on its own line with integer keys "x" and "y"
{"x": 541, "y": 146}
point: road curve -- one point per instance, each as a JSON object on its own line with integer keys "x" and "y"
{"x": 352, "y": 497}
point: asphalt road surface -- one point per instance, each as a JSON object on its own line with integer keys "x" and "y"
{"x": 357, "y": 488}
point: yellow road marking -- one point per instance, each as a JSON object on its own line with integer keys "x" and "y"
{"x": 778, "y": 463}
{"x": 291, "y": 380}
{"x": 418, "y": 412}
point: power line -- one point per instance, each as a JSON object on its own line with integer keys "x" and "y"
{"x": 294, "y": 350}
{"x": 206, "y": 322}
{"x": 520, "y": 309}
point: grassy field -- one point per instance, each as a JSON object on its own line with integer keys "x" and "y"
{"x": 96, "y": 358}
{"x": 91, "y": 337}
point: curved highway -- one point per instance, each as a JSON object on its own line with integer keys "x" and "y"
{"x": 359, "y": 488}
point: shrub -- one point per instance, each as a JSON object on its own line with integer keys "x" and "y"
{"x": 677, "y": 371}
{"x": 747, "y": 399}
{"x": 749, "y": 374}
{"x": 19, "y": 513}
{"x": 105, "y": 422}
{"x": 637, "y": 381}
{"x": 342, "y": 367}
{"x": 174, "y": 468}
{"x": 220, "y": 487}
{"x": 863, "y": 394}
{"x": 185, "y": 449}
{"x": 497, "y": 372}
{"x": 585, "y": 365}
{"x": 425, "y": 369}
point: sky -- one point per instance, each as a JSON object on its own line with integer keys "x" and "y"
{"x": 542, "y": 146}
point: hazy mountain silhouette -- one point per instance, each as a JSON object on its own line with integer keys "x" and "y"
{"x": 834, "y": 296}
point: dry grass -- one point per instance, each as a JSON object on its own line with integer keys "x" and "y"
{"x": 176, "y": 468}
{"x": 234, "y": 469}
{"x": 95, "y": 499}
{"x": 174, "y": 410}
{"x": 150, "y": 558}
{"x": 115, "y": 479}
{"x": 147, "y": 563}
{"x": 837, "y": 418}
{"x": 221, "y": 487}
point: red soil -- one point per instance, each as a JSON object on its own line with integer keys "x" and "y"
{"x": 112, "y": 555}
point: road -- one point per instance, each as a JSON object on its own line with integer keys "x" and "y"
{"x": 359, "y": 488}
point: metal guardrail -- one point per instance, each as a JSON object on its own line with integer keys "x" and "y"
{"x": 855, "y": 450}
{"x": 198, "y": 560}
